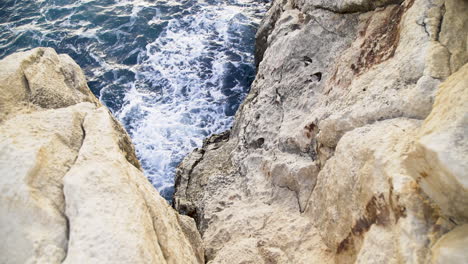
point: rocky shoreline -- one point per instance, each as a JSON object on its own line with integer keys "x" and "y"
{"x": 350, "y": 148}
{"x": 72, "y": 189}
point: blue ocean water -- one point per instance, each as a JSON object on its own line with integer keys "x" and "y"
{"x": 173, "y": 72}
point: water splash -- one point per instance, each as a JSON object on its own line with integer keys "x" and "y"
{"x": 173, "y": 72}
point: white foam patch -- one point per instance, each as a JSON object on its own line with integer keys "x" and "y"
{"x": 172, "y": 89}
{"x": 188, "y": 63}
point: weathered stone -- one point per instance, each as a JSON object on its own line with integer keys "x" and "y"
{"x": 438, "y": 158}
{"x": 453, "y": 32}
{"x": 41, "y": 78}
{"x": 346, "y": 6}
{"x": 451, "y": 248}
{"x": 72, "y": 190}
{"x": 373, "y": 197}
{"x": 324, "y": 140}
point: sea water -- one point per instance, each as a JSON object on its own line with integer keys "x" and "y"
{"x": 173, "y": 72}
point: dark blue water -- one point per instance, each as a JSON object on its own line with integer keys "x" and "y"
{"x": 173, "y": 72}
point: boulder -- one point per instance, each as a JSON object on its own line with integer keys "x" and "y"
{"x": 324, "y": 161}
{"x": 72, "y": 189}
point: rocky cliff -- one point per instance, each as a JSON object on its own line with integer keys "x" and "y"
{"x": 351, "y": 145}
{"x": 72, "y": 189}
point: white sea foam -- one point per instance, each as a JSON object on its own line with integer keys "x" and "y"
{"x": 171, "y": 71}
{"x": 189, "y": 104}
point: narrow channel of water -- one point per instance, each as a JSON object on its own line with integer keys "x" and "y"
{"x": 173, "y": 72}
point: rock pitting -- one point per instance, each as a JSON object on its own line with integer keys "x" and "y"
{"x": 351, "y": 145}
{"x": 350, "y": 148}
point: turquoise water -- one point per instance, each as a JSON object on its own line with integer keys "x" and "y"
{"x": 173, "y": 72}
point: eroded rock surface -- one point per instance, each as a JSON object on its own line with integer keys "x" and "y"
{"x": 351, "y": 145}
{"x": 72, "y": 190}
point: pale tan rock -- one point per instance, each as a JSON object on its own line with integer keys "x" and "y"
{"x": 451, "y": 248}
{"x": 366, "y": 206}
{"x": 439, "y": 156}
{"x": 71, "y": 186}
{"x": 115, "y": 215}
{"x": 295, "y": 173}
{"x": 454, "y": 32}
{"x": 347, "y": 6}
{"x": 37, "y": 150}
{"x": 41, "y": 78}
{"x": 439, "y": 61}
{"x": 334, "y": 113}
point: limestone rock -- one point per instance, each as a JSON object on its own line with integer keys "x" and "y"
{"x": 373, "y": 198}
{"x": 442, "y": 148}
{"x": 72, "y": 189}
{"x": 41, "y": 78}
{"x": 451, "y": 248}
{"x": 453, "y": 32}
{"x": 346, "y": 6}
{"x": 322, "y": 163}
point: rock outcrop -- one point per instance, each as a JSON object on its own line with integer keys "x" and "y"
{"x": 351, "y": 145}
{"x": 72, "y": 189}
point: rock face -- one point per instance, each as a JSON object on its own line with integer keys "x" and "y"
{"x": 351, "y": 145}
{"x": 72, "y": 189}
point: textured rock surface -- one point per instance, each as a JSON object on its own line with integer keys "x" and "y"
{"x": 451, "y": 248}
{"x": 339, "y": 153}
{"x": 71, "y": 187}
{"x": 441, "y": 149}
